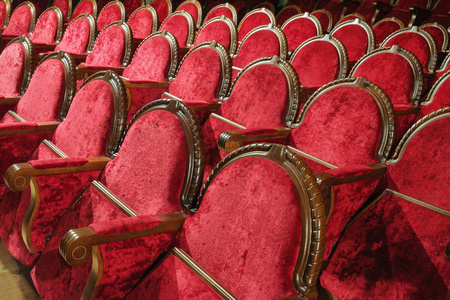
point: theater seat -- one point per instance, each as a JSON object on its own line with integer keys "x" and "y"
{"x": 437, "y": 98}
{"x": 373, "y": 10}
{"x": 182, "y": 26}
{"x": 65, "y": 6}
{"x": 114, "y": 11}
{"x": 286, "y": 13}
{"x": 220, "y": 29}
{"x": 300, "y": 28}
{"x": 132, "y": 5}
{"x": 172, "y": 182}
{"x": 325, "y": 18}
{"x": 143, "y": 22}
{"x": 22, "y": 22}
{"x": 5, "y": 13}
{"x": 85, "y": 7}
{"x": 48, "y": 31}
{"x": 440, "y": 35}
{"x": 253, "y": 19}
{"x": 350, "y": 17}
{"x": 194, "y": 8}
{"x": 163, "y": 8}
{"x": 225, "y": 9}
{"x": 385, "y": 27}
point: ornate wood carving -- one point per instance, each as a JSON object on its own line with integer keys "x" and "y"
{"x": 231, "y": 25}
{"x": 169, "y": 7}
{"x": 263, "y": 10}
{"x": 199, "y": 10}
{"x": 121, "y": 7}
{"x": 435, "y": 88}
{"x": 330, "y": 18}
{"x": 227, "y": 5}
{"x": 444, "y": 33}
{"x": 29, "y": 60}
{"x": 191, "y": 25}
{"x": 152, "y": 12}
{"x": 365, "y": 26}
{"x": 308, "y": 16}
{"x": 355, "y": 15}
{"x": 60, "y": 17}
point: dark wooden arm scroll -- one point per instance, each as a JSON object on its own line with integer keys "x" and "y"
{"x": 41, "y": 127}
{"x": 331, "y": 180}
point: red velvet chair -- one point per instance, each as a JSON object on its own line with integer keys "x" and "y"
{"x": 65, "y": 6}
{"x": 411, "y": 12}
{"x": 5, "y": 13}
{"x": 263, "y": 41}
{"x": 385, "y": 27}
{"x": 421, "y": 44}
{"x": 17, "y": 65}
{"x": 318, "y": 61}
{"x": 396, "y": 247}
{"x": 194, "y": 8}
{"x": 85, "y": 7}
{"x": 132, "y": 5}
{"x": 112, "y": 12}
{"x": 48, "y": 31}
{"x": 173, "y": 173}
{"x": 305, "y": 5}
{"x": 445, "y": 66}
{"x": 225, "y": 9}
{"x": 143, "y": 22}
{"x": 440, "y": 35}
{"x": 220, "y": 29}
{"x": 242, "y": 8}
{"x": 350, "y": 17}
{"x": 182, "y": 26}
{"x": 163, "y": 8}
{"x": 338, "y": 9}
{"x": 264, "y": 249}
{"x": 357, "y": 37}
{"x": 373, "y": 10}
{"x": 439, "y": 13}
{"x": 287, "y": 13}
{"x": 22, "y": 22}
{"x": 437, "y": 98}
{"x": 267, "y": 5}
{"x": 299, "y": 28}
{"x": 253, "y": 19}
{"x": 325, "y": 18}
{"x": 92, "y": 127}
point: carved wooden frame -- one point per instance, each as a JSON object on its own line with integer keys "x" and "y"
{"x": 444, "y": 64}
{"x": 435, "y": 88}
{"x": 69, "y": 9}
{"x": 121, "y": 7}
{"x": 32, "y": 12}
{"x": 227, "y": 5}
{"x": 312, "y": 247}
{"x": 291, "y": 78}
{"x": 330, "y": 19}
{"x": 169, "y": 8}
{"x": 356, "y": 15}
{"x": 231, "y": 25}
{"x": 263, "y": 10}
{"x": 395, "y": 20}
{"x": 365, "y": 26}
{"x": 428, "y": 37}
{"x": 306, "y": 15}
{"x": 92, "y": 28}
{"x": 444, "y": 32}
{"x": 225, "y": 60}
{"x": 29, "y": 60}
{"x": 199, "y": 11}
{"x": 154, "y": 16}
{"x": 340, "y": 48}
{"x": 379, "y": 96}
{"x": 7, "y": 12}
{"x": 94, "y": 8}
{"x": 190, "y": 23}
{"x": 412, "y": 61}
{"x": 60, "y": 17}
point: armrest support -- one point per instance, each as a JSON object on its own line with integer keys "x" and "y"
{"x": 83, "y": 69}
{"x": 419, "y": 15}
{"x": 18, "y": 176}
{"x": 350, "y": 174}
{"x": 49, "y": 47}
{"x": 400, "y": 109}
{"x": 27, "y": 127}
{"x": 12, "y": 100}
{"x": 77, "y": 57}
{"x": 232, "y": 140}
{"x": 76, "y": 245}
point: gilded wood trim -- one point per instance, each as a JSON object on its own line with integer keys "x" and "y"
{"x": 116, "y": 201}
{"x": 312, "y": 247}
{"x": 199, "y": 11}
{"x": 30, "y": 214}
{"x": 379, "y": 96}
{"x": 229, "y": 122}
{"x": 330, "y": 19}
{"x": 227, "y": 5}
{"x": 13, "y": 100}
{"x": 420, "y": 202}
{"x": 191, "y": 25}
{"x": 412, "y": 61}
{"x": 444, "y": 33}
{"x": 231, "y": 25}
{"x": 15, "y": 116}
{"x": 369, "y": 31}
{"x": 263, "y": 10}
{"x": 312, "y": 157}
{"x": 395, "y": 20}
{"x": 435, "y": 88}
{"x": 444, "y": 64}
{"x": 29, "y": 60}
{"x": 7, "y": 12}
{"x": 308, "y": 16}
{"x": 152, "y": 12}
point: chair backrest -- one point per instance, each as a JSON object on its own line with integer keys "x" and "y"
{"x": 336, "y": 9}
{"x": 320, "y": 60}
{"x": 163, "y": 125}
{"x": 438, "y": 96}
{"x": 163, "y": 8}
{"x": 49, "y": 27}
{"x": 325, "y": 19}
{"x": 112, "y": 12}
{"x": 225, "y": 9}
{"x": 420, "y": 166}
{"x": 242, "y": 7}
{"x": 194, "y": 8}
{"x": 299, "y": 28}
{"x": 354, "y": 119}
{"x": 357, "y": 37}
{"x": 266, "y": 5}
{"x": 143, "y": 21}
{"x": 5, "y": 13}
{"x": 287, "y": 13}
{"x": 22, "y": 20}
{"x": 220, "y": 29}
{"x": 253, "y": 19}
{"x": 276, "y": 249}
{"x": 396, "y": 70}
{"x": 65, "y": 6}
{"x": 204, "y": 74}
{"x": 263, "y": 41}
{"x": 419, "y": 42}
{"x": 182, "y": 26}
{"x": 385, "y": 27}
{"x": 51, "y": 88}
{"x": 305, "y": 5}
{"x": 265, "y": 94}
{"x": 15, "y": 77}
{"x": 132, "y": 5}
{"x": 96, "y": 118}
{"x": 79, "y": 35}
{"x": 85, "y": 7}
{"x": 112, "y": 47}
{"x": 350, "y": 17}
{"x": 439, "y": 33}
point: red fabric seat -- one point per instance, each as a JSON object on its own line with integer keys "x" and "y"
{"x": 172, "y": 183}
{"x": 385, "y": 27}
{"x": 182, "y": 26}
{"x": 112, "y": 12}
{"x": 143, "y": 22}
{"x": 439, "y": 33}
{"x": 437, "y": 97}
{"x": 338, "y": 9}
{"x": 5, "y": 13}
{"x": 132, "y": 5}
{"x": 253, "y": 19}
{"x": 22, "y": 20}
{"x": 287, "y": 13}
{"x": 399, "y": 243}
{"x": 225, "y": 9}
{"x": 220, "y": 29}
{"x": 92, "y": 127}
{"x": 300, "y": 28}
{"x": 351, "y": 17}
{"x": 325, "y": 18}
{"x": 163, "y": 8}
{"x": 79, "y": 35}
{"x": 85, "y": 7}
{"x": 305, "y": 5}
{"x": 49, "y": 27}
{"x": 65, "y": 6}
{"x": 194, "y": 8}
{"x": 373, "y": 13}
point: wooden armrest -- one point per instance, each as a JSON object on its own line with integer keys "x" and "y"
{"x": 49, "y": 47}
{"x": 12, "y": 100}
{"x": 329, "y": 180}
{"x": 84, "y": 69}
{"x": 147, "y": 85}
{"x": 232, "y": 140}
{"x": 412, "y": 110}
{"x": 76, "y": 245}
{"x": 41, "y": 127}
{"x": 79, "y": 56}
{"x": 18, "y": 176}
{"x": 202, "y": 105}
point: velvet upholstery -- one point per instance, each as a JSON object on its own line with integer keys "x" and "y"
{"x": 305, "y": 5}
{"x": 192, "y": 9}
{"x": 219, "y": 11}
{"x": 141, "y": 23}
{"x": 46, "y": 29}
{"x": 384, "y": 28}
{"x": 83, "y": 7}
{"x": 132, "y": 5}
{"x": 335, "y": 8}
{"x": 439, "y": 35}
{"x": 109, "y": 48}
{"x": 355, "y": 39}
{"x": 217, "y": 30}
{"x": 438, "y": 96}
{"x": 162, "y": 8}
{"x": 76, "y": 37}
{"x": 12, "y": 64}
{"x": 241, "y": 8}
{"x": 63, "y": 5}
{"x": 325, "y": 20}
{"x": 3, "y": 14}
{"x": 108, "y": 15}
{"x": 299, "y": 29}
{"x": 178, "y": 24}
{"x": 252, "y": 20}
{"x": 20, "y": 22}
{"x": 286, "y": 13}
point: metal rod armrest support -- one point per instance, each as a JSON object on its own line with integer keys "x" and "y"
{"x": 43, "y": 127}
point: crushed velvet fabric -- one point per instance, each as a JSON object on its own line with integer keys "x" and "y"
{"x": 131, "y": 6}
{"x": 323, "y": 19}
{"x": 384, "y": 29}
{"x": 404, "y": 16}
{"x": 392, "y": 72}
{"x": 191, "y": 9}
{"x": 46, "y": 28}
{"x": 109, "y": 48}
{"x": 221, "y": 11}
{"x": 108, "y": 15}
{"x": 2, "y": 13}
{"x": 161, "y": 8}
{"x": 355, "y": 40}
{"x": 285, "y": 15}
{"x": 84, "y": 7}
{"x": 20, "y": 21}
{"x": 46, "y": 91}
{"x": 437, "y": 34}
{"x": 12, "y": 64}
{"x": 76, "y": 38}
{"x": 141, "y": 24}
{"x": 63, "y": 5}
{"x": 305, "y": 5}
{"x": 317, "y": 63}
{"x": 215, "y": 31}
{"x": 173, "y": 280}
{"x": 177, "y": 25}
{"x": 335, "y": 8}
{"x": 439, "y": 100}
{"x": 58, "y": 162}
{"x": 241, "y": 8}
{"x": 299, "y": 30}
{"x": 252, "y": 21}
